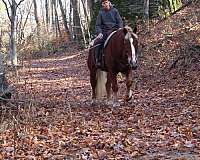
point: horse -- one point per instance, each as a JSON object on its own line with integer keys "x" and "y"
{"x": 120, "y": 55}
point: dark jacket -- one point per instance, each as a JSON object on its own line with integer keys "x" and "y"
{"x": 108, "y": 21}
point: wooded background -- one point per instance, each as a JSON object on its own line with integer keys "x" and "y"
{"x": 29, "y": 25}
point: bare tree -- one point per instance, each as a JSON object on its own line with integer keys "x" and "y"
{"x": 57, "y": 25}
{"x": 146, "y": 12}
{"x": 42, "y": 11}
{"x": 37, "y": 22}
{"x": 47, "y": 13}
{"x": 78, "y": 28}
{"x": 87, "y": 18}
{"x": 52, "y": 16}
{"x": 146, "y": 9}
{"x": 71, "y": 21}
{"x": 11, "y": 8}
{"x": 21, "y": 27}
{"x": 64, "y": 17}
{"x": 4, "y": 89}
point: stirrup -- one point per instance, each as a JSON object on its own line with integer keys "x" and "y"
{"x": 98, "y": 64}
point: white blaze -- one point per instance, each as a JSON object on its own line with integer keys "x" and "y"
{"x": 128, "y": 37}
{"x": 132, "y": 50}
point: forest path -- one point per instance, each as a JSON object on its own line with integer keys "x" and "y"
{"x": 54, "y": 80}
{"x": 162, "y": 121}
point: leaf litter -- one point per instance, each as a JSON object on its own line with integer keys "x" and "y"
{"x": 54, "y": 119}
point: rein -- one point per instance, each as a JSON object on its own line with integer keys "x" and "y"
{"x": 94, "y": 46}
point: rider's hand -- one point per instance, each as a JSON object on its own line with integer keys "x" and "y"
{"x": 100, "y": 36}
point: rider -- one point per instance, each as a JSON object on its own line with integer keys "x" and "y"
{"x": 107, "y": 21}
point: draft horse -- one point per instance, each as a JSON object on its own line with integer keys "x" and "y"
{"x": 120, "y": 55}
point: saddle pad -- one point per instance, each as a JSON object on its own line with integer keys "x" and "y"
{"x": 109, "y": 38}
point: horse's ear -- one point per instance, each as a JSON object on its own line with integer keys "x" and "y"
{"x": 125, "y": 30}
{"x": 135, "y": 29}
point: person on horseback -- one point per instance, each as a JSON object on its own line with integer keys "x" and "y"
{"x": 108, "y": 20}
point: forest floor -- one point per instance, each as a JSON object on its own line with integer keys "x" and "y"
{"x": 50, "y": 116}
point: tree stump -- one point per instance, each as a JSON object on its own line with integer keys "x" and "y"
{"x": 5, "y": 93}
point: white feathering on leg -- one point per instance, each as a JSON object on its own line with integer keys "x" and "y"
{"x": 101, "y": 84}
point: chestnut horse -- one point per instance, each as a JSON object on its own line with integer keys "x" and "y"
{"x": 120, "y": 55}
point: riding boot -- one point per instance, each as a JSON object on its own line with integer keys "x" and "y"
{"x": 98, "y": 55}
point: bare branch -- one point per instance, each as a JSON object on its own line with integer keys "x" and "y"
{"x": 27, "y": 15}
{"x": 7, "y": 9}
{"x": 19, "y": 3}
{"x": 9, "y": 2}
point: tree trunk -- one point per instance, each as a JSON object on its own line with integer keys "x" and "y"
{"x": 87, "y": 19}
{"x": 36, "y": 17}
{"x": 70, "y": 21}
{"x": 12, "y": 17}
{"x": 4, "y": 90}
{"x": 23, "y": 25}
{"x": 64, "y": 17}
{"x": 52, "y": 17}
{"x": 146, "y": 14}
{"x": 78, "y": 30}
{"x": 19, "y": 35}
{"x": 146, "y": 9}
{"x": 1, "y": 63}
{"x": 57, "y": 25}
{"x": 47, "y": 14}
{"x": 12, "y": 52}
{"x": 37, "y": 22}
{"x": 42, "y": 10}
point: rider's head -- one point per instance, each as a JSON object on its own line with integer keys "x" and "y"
{"x": 105, "y": 4}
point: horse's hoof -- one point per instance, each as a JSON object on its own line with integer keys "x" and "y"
{"x": 109, "y": 102}
{"x": 116, "y": 104}
{"x": 93, "y": 102}
{"x": 129, "y": 96}
{"x": 127, "y": 99}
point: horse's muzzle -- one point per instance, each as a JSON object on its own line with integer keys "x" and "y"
{"x": 132, "y": 63}
{"x": 134, "y": 67}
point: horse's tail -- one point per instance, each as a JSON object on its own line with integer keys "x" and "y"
{"x": 101, "y": 83}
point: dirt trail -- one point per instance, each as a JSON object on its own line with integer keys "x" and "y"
{"x": 54, "y": 79}
{"x": 162, "y": 122}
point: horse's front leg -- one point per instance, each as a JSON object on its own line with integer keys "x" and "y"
{"x": 113, "y": 82}
{"x": 129, "y": 82}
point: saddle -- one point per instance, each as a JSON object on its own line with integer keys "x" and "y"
{"x": 99, "y": 54}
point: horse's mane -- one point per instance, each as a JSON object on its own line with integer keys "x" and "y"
{"x": 131, "y": 31}
{"x": 126, "y": 29}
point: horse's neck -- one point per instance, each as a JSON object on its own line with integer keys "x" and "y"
{"x": 109, "y": 37}
{"x": 118, "y": 43}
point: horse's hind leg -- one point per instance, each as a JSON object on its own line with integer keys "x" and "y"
{"x": 129, "y": 82}
{"x": 115, "y": 90}
{"x": 108, "y": 89}
{"x": 93, "y": 82}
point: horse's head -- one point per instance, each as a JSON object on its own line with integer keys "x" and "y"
{"x": 130, "y": 46}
